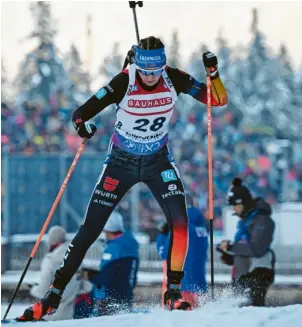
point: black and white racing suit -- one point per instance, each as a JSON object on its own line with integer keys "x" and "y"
{"x": 138, "y": 152}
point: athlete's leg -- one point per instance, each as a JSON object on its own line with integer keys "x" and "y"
{"x": 170, "y": 196}
{"x": 166, "y": 185}
{"x": 163, "y": 179}
{"x": 114, "y": 181}
{"x": 111, "y": 186}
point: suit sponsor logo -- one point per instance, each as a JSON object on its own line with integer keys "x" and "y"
{"x": 110, "y": 89}
{"x": 172, "y": 193}
{"x": 172, "y": 187}
{"x": 70, "y": 246}
{"x": 168, "y": 81}
{"x": 130, "y": 145}
{"x": 101, "y": 93}
{"x": 144, "y": 138}
{"x": 131, "y": 88}
{"x": 141, "y": 147}
{"x": 168, "y": 175}
{"x": 105, "y": 194}
{"x": 149, "y": 103}
{"x": 105, "y": 203}
{"x": 110, "y": 184}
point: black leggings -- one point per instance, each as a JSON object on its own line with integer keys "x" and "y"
{"x": 120, "y": 172}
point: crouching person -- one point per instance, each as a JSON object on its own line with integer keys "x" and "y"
{"x": 115, "y": 282}
{"x": 250, "y": 254}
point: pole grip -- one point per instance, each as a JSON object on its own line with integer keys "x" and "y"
{"x": 132, "y": 5}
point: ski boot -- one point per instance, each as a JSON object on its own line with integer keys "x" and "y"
{"x": 45, "y": 306}
{"x": 173, "y": 299}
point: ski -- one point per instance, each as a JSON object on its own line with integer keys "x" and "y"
{"x": 8, "y": 321}
{"x": 16, "y": 320}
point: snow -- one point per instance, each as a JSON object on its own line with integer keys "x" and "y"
{"x": 222, "y": 313}
{"x": 16, "y": 309}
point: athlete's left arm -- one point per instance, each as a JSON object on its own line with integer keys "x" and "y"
{"x": 185, "y": 83}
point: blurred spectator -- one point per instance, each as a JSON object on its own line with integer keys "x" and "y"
{"x": 36, "y": 127}
{"x": 50, "y": 263}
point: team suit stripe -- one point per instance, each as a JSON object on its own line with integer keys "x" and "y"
{"x": 148, "y": 114}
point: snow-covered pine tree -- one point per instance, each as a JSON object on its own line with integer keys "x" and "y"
{"x": 174, "y": 60}
{"x": 174, "y": 56}
{"x": 228, "y": 71}
{"x": 79, "y": 89}
{"x": 290, "y": 116}
{"x": 197, "y": 70}
{"x": 42, "y": 72}
{"x": 4, "y": 83}
{"x": 113, "y": 63}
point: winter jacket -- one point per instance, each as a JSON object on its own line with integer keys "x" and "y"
{"x": 194, "y": 279}
{"x": 252, "y": 249}
{"x": 118, "y": 272}
{"x": 50, "y": 263}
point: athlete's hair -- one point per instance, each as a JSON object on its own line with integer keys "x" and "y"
{"x": 149, "y": 43}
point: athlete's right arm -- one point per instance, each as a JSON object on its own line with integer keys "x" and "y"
{"x": 112, "y": 93}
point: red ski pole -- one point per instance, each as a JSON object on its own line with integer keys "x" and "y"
{"x": 210, "y": 174}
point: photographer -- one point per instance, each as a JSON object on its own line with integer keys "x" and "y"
{"x": 250, "y": 253}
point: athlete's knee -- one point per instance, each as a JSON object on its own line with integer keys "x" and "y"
{"x": 179, "y": 228}
{"x": 178, "y": 215}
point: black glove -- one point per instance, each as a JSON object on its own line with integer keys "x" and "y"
{"x": 84, "y": 130}
{"x": 163, "y": 227}
{"x": 229, "y": 246}
{"x": 210, "y": 63}
{"x": 227, "y": 259}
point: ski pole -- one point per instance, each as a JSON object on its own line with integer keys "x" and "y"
{"x": 132, "y": 5}
{"x": 52, "y": 210}
{"x": 210, "y": 176}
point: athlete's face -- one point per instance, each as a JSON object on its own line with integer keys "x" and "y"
{"x": 149, "y": 80}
